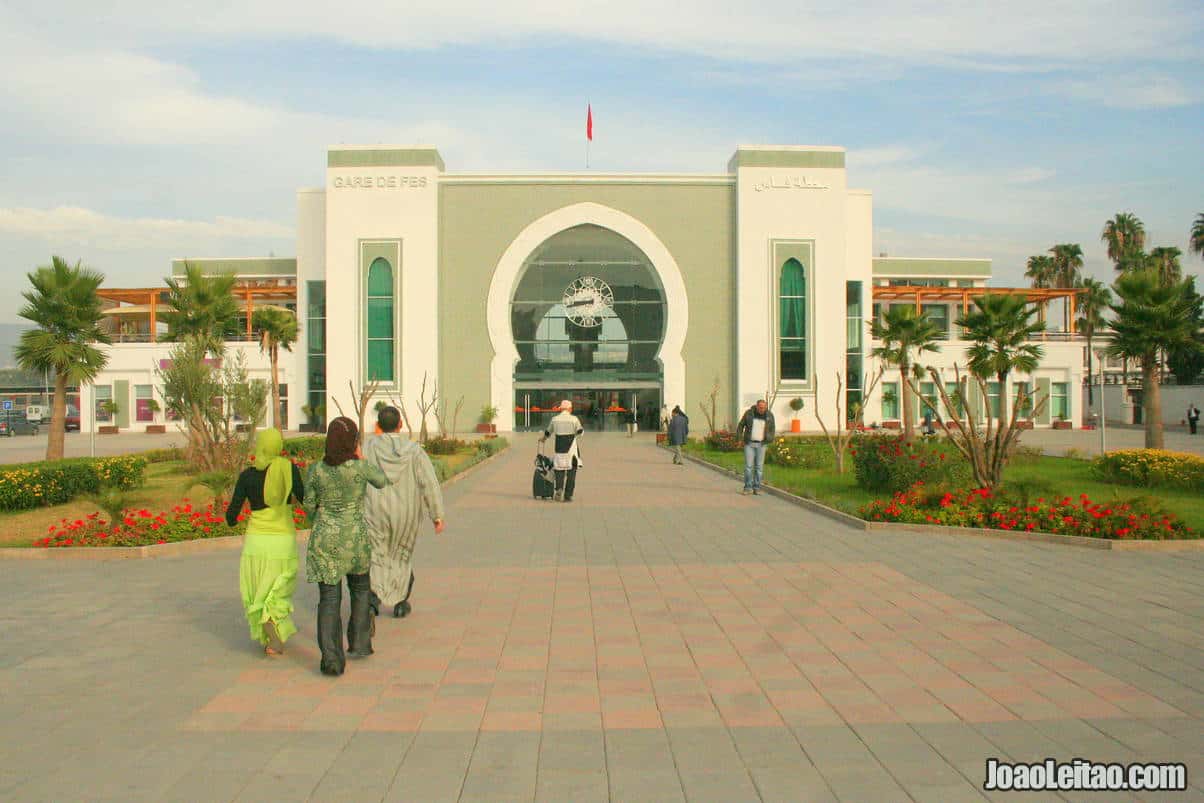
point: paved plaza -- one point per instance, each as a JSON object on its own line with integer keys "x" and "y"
{"x": 660, "y": 638}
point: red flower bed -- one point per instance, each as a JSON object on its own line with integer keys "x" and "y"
{"x": 1065, "y": 515}
{"x": 142, "y": 528}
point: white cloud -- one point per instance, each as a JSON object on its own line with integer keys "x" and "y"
{"x": 769, "y": 31}
{"x": 1149, "y": 91}
{"x": 887, "y": 154}
{"x": 73, "y": 226}
{"x": 1031, "y": 175}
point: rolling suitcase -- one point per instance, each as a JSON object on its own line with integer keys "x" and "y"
{"x": 543, "y": 484}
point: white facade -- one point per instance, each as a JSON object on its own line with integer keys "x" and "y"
{"x": 457, "y": 246}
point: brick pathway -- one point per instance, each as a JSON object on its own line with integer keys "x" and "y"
{"x": 660, "y": 638}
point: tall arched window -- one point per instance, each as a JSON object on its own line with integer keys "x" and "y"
{"x": 792, "y": 321}
{"x": 380, "y": 321}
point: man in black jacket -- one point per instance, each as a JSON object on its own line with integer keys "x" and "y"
{"x": 756, "y": 429}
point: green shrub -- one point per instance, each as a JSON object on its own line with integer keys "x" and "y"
{"x": 443, "y": 445}
{"x": 169, "y": 455}
{"x": 306, "y": 449}
{"x": 892, "y": 465}
{"x": 486, "y": 447}
{"x": 724, "y": 440}
{"x": 1151, "y": 468}
{"x": 29, "y": 485}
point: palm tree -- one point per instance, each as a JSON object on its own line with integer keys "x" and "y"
{"x": 1125, "y": 236}
{"x": 1151, "y": 319}
{"x": 1164, "y": 261}
{"x": 905, "y": 334}
{"x": 1197, "y": 235}
{"x": 201, "y": 306}
{"x": 1094, "y": 299}
{"x": 277, "y": 330}
{"x": 1001, "y": 329}
{"x": 1040, "y": 270}
{"x": 67, "y": 311}
{"x": 1067, "y": 273}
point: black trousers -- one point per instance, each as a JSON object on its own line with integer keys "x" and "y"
{"x": 330, "y": 621}
{"x": 1192, "y": 423}
{"x": 567, "y": 480}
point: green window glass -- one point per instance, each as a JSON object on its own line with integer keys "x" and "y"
{"x": 1059, "y": 400}
{"x": 939, "y": 315}
{"x": 993, "y": 398}
{"x": 1026, "y": 410}
{"x": 929, "y": 401}
{"x": 380, "y": 321}
{"x": 792, "y": 321}
{"x": 955, "y": 396}
{"x": 890, "y": 401}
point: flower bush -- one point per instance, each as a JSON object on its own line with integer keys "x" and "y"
{"x": 1151, "y": 468}
{"x": 724, "y": 440}
{"x": 788, "y": 452}
{"x": 29, "y": 485}
{"x": 305, "y": 450}
{"x": 893, "y": 465}
{"x": 1064, "y": 515}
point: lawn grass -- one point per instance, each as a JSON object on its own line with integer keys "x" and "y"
{"x": 164, "y": 488}
{"x": 1048, "y": 476}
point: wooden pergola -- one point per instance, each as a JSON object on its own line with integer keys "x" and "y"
{"x": 962, "y": 295}
{"x": 149, "y": 297}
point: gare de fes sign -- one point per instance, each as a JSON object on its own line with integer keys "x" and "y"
{"x": 385, "y": 182}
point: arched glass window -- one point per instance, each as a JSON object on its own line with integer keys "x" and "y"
{"x": 792, "y": 321}
{"x": 380, "y": 321}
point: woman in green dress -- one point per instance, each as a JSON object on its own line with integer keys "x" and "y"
{"x": 267, "y": 571}
{"x": 339, "y": 545}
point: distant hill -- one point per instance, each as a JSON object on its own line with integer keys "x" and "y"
{"x": 10, "y": 334}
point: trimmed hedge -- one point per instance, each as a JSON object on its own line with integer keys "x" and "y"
{"x": 24, "y": 486}
{"x": 1151, "y": 468}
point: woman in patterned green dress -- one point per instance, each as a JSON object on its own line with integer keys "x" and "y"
{"x": 339, "y": 545}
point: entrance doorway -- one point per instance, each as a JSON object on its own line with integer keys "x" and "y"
{"x": 600, "y": 410}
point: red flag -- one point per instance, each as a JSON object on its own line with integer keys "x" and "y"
{"x": 589, "y": 122}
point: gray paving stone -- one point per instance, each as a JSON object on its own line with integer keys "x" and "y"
{"x": 116, "y": 701}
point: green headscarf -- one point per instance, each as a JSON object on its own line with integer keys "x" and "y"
{"x": 278, "y": 483}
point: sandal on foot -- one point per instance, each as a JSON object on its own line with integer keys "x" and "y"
{"x": 275, "y": 646}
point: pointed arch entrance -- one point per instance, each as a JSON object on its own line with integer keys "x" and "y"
{"x": 586, "y": 303}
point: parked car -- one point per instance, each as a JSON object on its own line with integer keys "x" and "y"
{"x": 14, "y": 423}
{"x": 72, "y": 420}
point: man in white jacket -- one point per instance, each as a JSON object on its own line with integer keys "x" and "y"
{"x": 566, "y": 428}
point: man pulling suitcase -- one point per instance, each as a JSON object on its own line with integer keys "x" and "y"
{"x": 566, "y": 459}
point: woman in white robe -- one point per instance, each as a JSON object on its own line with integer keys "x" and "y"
{"x": 394, "y": 513}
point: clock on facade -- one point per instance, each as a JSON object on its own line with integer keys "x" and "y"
{"x": 586, "y": 300}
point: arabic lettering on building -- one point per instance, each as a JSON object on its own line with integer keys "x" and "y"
{"x": 788, "y": 183}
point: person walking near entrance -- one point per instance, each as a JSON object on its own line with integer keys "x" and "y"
{"x": 339, "y": 545}
{"x": 631, "y": 423}
{"x": 756, "y": 429}
{"x": 267, "y": 570}
{"x": 393, "y": 514}
{"x": 566, "y": 458}
{"x": 679, "y": 430}
{"x": 1193, "y": 418}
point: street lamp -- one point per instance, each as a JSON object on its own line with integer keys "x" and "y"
{"x": 1103, "y": 418}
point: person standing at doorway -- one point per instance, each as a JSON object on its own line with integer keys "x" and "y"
{"x": 566, "y": 459}
{"x": 679, "y": 431}
{"x": 393, "y": 514}
{"x": 1193, "y": 418}
{"x": 756, "y": 429}
{"x": 631, "y": 423}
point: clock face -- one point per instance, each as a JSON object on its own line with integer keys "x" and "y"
{"x": 587, "y": 300}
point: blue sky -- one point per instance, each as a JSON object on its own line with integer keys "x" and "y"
{"x": 990, "y": 130}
